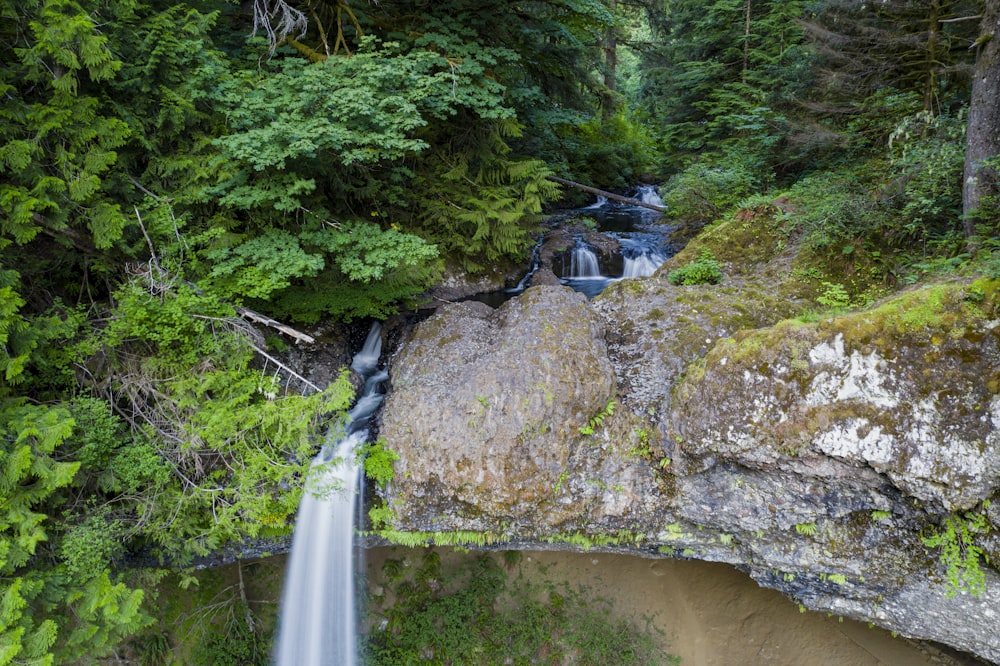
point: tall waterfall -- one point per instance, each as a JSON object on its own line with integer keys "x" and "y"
{"x": 318, "y": 625}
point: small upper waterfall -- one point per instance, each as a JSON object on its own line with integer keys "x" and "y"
{"x": 318, "y": 625}
{"x": 647, "y": 194}
{"x": 583, "y": 263}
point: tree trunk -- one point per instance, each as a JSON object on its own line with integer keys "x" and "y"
{"x": 610, "y": 65}
{"x": 983, "y": 135}
{"x": 607, "y": 195}
{"x": 746, "y": 41}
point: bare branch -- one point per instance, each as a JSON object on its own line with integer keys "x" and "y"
{"x": 278, "y": 20}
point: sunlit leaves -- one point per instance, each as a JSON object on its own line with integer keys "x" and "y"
{"x": 261, "y": 264}
{"x": 362, "y": 109}
{"x": 365, "y": 252}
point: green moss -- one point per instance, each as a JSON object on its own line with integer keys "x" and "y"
{"x": 455, "y": 539}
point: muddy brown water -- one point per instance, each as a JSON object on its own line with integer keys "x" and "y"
{"x": 710, "y": 614}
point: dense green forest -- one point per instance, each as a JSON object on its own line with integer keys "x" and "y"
{"x": 164, "y": 167}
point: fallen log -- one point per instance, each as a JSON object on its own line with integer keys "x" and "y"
{"x": 277, "y": 325}
{"x": 608, "y": 195}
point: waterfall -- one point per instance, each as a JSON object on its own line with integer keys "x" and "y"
{"x": 643, "y": 265}
{"x": 642, "y": 254}
{"x": 535, "y": 261}
{"x": 318, "y": 625}
{"x": 647, "y": 194}
{"x": 583, "y": 263}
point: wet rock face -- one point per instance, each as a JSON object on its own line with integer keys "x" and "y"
{"x": 815, "y": 456}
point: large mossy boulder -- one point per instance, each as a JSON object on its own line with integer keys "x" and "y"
{"x": 486, "y": 411}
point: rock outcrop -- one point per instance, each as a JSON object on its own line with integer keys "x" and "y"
{"x": 823, "y": 458}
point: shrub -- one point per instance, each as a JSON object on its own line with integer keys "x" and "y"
{"x": 704, "y": 270}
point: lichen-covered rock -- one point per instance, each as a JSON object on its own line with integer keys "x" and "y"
{"x": 872, "y": 390}
{"x": 486, "y": 410}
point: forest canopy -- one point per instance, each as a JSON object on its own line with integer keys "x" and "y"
{"x": 165, "y": 166}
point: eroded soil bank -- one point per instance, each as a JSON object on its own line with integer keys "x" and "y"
{"x": 710, "y": 614}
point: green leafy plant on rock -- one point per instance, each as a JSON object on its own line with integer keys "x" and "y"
{"x": 704, "y": 270}
{"x": 598, "y": 419}
{"x": 959, "y": 555}
{"x": 378, "y": 462}
{"x": 835, "y": 297}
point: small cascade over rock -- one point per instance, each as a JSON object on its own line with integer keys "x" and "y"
{"x": 648, "y": 194}
{"x": 318, "y": 624}
{"x": 641, "y": 254}
{"x": 588, "y": 248}
{"x": 584, "y": 263}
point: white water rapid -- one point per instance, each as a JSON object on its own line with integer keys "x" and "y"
{"x": 318, "y": 625}
{"x": 647, "y": 194}
{"x": 641, "y": 255}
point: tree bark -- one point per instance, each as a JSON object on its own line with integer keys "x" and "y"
{"x": 746, "y": 41}
{"x": 983, "y": 134}
{"x": 610, "y": 66}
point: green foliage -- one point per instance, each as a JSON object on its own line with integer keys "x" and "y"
{"x": 959, "y": 554}
{"x": 597, "y": 420}
{"x": 474, "y": 615}
{"x": 703, "y": 270}
{"x": 354, "y": 269}
{"x": 381, "y": 517}
{"x": 215, "y": 439}
{"x": 152, "y": 649}
{"x": 612, "y": 153}
{"x": 91, "y": 545}
{"x": 378, "y": 461}
{"x": 67, "y": 610}
{"x": 710, "y": 83}
{"x": 834, "y": 296}
{"x": 927, "y": 152}
{"x": 806, "y": 529}
{"x": 705, "y": 190}
{"x": 476, "y": 203}
{"x": 235, "y": 644}
{"x": 56, "y": 143}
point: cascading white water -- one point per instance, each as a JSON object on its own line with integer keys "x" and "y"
{"x": 643, "y": 265}
{"x": 647, "y": 194}
{"x": 318, "y": 625}
{"x": 641, "y": 254}
{"x": 583, "y": 263}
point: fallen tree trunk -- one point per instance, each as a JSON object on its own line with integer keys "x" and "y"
{"x": 608, "y": 195}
